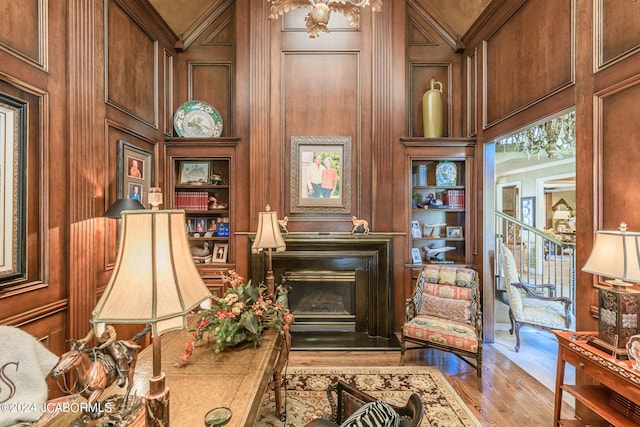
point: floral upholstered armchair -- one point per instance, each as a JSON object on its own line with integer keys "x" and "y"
{"x": 528, "y": 308}
{"x": 445, "y": 313}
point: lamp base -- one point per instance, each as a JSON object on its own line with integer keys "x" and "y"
{"x": 157, "y": 402}
{"x": 620, "y": 353}
{"x": 270, "y": 281}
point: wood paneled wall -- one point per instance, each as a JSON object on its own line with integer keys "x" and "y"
{"x": 94, "y": 72}
{"x": 582, "y": 53}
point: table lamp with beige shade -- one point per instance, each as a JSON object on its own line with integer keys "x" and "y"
{"x": 616, "y": 255}
{"x": 154, "y": 281}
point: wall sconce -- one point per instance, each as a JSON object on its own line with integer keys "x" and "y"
{"x": 268, "y": 237}
{"x": 318, "y": 17}
{"x": 154, "y": 281}
{"x": 616, "y": 254}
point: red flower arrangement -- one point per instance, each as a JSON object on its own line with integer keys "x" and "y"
{"x": 241, "y": 315}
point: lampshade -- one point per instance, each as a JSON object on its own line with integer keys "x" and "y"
{"x": 559, "y": 214}
{"x": 268, "y": 235}
{"x": 615, "y": 255}
{"x": 115, "y": 211}
{"x": 154, "y": 280}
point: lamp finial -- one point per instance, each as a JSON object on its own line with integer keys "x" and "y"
{"x": 623, "y": 227}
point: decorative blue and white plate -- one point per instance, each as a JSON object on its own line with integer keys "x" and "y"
{"x": 197, "y": 119}
{"x": 446, "y": 174}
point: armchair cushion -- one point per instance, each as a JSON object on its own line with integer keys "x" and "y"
{"x": 550, "y": 314}
{"x": 459, "y": 335}
{"x": 454, "y": 309}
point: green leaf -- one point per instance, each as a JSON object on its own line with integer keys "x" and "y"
{"x": 249, "y": 321}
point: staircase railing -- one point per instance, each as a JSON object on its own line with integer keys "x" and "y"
{"x": 541, "y": 258}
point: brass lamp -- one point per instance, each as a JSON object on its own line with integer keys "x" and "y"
{"x": 154, "y": 281}
{"x": 616, "y": 254}
{"x": 268, "y": 237}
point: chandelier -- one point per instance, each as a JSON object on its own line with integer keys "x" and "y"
{"x": 554, "y": 138}
{"x": 318, "y": 17}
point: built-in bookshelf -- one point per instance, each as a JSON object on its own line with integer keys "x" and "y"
{"x": 200, "y": 182}
{"x": 439, "y": 198}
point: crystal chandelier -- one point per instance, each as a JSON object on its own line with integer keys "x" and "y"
{"x": 318, "y": 17}
{"x": 555, "y": 138}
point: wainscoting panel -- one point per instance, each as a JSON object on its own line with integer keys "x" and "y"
{"x": 540, "y": 37}
{"x": 131, "y": 81}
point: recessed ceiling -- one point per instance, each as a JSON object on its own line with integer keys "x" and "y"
{"x": 458, "y": 14}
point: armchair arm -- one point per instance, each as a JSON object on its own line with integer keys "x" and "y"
{"x": 550, "y": 288}
{"x": 564, "y": 300}
{"x": 410, "y": 309}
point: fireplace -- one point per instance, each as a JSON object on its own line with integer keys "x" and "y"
{"x": 322, "y": 300}
{"x": 341, "y": 291}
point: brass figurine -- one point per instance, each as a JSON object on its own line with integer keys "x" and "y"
{"x": 318, "y": 18}
{"x": 359, "y": 224}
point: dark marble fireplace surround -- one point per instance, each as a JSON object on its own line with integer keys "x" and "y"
{"x": 368, "y": 256}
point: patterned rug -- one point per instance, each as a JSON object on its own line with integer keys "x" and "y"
{"x": 306, "y": 397}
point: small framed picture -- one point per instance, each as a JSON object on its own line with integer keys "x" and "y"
{"x": 454, "y": 232}
{"x": 200, "y": 225}
{"x": 415, "y": 230}
{"x": 415, "y": 256}
{"x": 194, "y": 172}
{"x": 220, "y": 252}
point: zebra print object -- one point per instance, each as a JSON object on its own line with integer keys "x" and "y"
{"x": 373, "y": 414}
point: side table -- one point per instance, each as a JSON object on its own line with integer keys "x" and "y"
{"x": 615, "y": 400}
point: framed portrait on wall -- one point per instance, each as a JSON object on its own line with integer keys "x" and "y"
{"x": 134, "y": 172}
{"x": 13, "y": 185}
{"x": 528, "y": 210}
{"x": 320, "y": 174}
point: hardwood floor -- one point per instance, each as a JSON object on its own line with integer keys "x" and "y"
{"x": 505, "y": 396}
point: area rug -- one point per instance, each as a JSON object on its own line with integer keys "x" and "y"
{"x": 306, "y": 397}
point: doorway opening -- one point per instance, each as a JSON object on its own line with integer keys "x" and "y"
{"x": 534, "y": 195}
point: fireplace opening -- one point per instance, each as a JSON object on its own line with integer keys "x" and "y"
{"x": 323, "y": 300}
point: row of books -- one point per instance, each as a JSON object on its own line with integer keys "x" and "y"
{"x": 191, "y": 200}
{"x": 453, "y": 198}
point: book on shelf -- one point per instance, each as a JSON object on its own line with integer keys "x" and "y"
{"x": 454, "y": 198}
{"x": 191, "y": 200}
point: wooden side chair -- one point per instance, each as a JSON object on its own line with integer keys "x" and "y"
{"x": 528, "y": 308}
{"x": 445, "y": 313}
{"x": 348, "y": 403}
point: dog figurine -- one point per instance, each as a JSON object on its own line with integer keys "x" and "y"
{"x": 357, "y": 223}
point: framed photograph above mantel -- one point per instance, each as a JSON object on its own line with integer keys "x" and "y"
{"x": 320, "y": 174}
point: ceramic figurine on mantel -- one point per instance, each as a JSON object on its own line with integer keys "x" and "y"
{"x": 432, "y": 110}
{"x": 359, "y": 225}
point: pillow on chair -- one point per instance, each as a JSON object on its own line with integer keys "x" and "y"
{"x": 376, "y": 413}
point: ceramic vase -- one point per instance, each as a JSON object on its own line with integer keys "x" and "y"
{"x": 432, "y": 110}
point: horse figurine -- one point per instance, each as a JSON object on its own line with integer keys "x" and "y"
{"x": 360, "y": 223}
{"x": 95, "y": 370}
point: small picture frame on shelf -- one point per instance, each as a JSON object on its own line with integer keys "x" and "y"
{"x": 201, "y": 225}
{"x": 194, "y": 172}
{"x": 454, "y": 232}
{"x": 415, "y": 230}
{"x": 190, "y": 226}
{"x": 432, "y": 230}
{"x": 220, "y": 252}
{"x": 415, "y": 256}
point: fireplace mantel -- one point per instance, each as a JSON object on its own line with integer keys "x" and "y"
{"x": 367, "y": 254}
